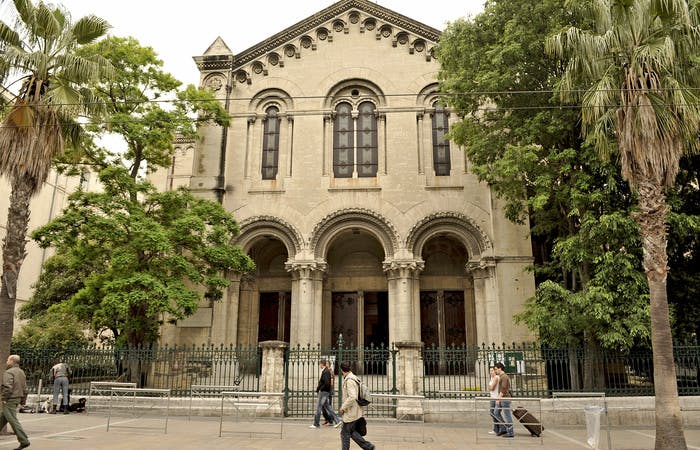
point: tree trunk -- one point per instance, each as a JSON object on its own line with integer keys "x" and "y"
{"x": 13, "y": 254}
{"x": 653, "y": 212}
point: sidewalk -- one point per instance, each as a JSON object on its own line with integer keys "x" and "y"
{"x": 80, "y": 431}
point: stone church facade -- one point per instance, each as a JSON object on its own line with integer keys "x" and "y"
{"x": 362, "y": 218}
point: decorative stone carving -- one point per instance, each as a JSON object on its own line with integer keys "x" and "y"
{"x": 354, "y": 17}
{"x": 322, "y": 34}
{"x": 281, "y": 229}
{"x": 241, "y": 76}
{"x": 214, "y": 83}
{"x": 306, "y": 42}
{"x": 387, "y": 233}
{"x": 386, "y": 31}
{"x": 290, "y": 50}
{"x": 257, "y": 67}
{"x": 456, "y": 220}
{"x": 273, "y": 59}
{"x": 403, "y": 268}
{"x": 370, "y": 24}
{"x": 338, "y": 26}
{"x": 306, "y": 269}
{"x": 482, "y": 268}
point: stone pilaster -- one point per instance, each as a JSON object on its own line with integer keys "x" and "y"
{"x": 404, "y": 299}
{"x": 307, "y": 301}
{"x": 225, "y": 314}
{"x": 409, "y": 378}
{"x": 488, "y": 325}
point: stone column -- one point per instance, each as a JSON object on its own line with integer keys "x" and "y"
{"x": 488, "y": 325}
{"x": 290, "y": 145}
{"x": 404, "y": 307}
{"x": 421, "y": 145}
{"x": 409, "y": 378}
{"x": 272, "y": 372}
{"x": 225, "y": 314}
{"x": 307, "y": 302}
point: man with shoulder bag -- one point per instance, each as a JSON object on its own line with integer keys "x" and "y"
{"x": 353, "y": 420}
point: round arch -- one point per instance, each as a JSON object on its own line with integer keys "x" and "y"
{"x": 265, "y": 226}
{"x": 332, "y": 225}
{"x": 447, "y": 223}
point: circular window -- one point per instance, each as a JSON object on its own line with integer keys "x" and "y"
{"x": 355, "y": 93}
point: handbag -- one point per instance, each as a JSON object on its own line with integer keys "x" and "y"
{"x": 361, "y": 426}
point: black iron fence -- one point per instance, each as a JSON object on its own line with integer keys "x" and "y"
{"x": 166, "y": 367}
{"x": 537, "y": 371}
{"x": 375, "y": 365}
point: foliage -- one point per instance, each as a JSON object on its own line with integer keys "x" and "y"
{"x": 55, "y": 327}
{"x": 39, "y": 49}
{"x": 145, "y": 107}
{"x": 529, "y": 151}
{"x": 147, "y": 257}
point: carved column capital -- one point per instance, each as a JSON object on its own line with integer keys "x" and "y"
{"x": 306, "y": 269}
{"x": 483, "y": 268}
{"x": 406, "y": 268}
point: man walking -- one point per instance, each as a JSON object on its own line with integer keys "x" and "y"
{"x": 503, "y": 413}
{"x": 352, "y": 412}
{"x": 323, "y": 389}
{"x": 60, "y": 374}
{"x": 14, "y": 393}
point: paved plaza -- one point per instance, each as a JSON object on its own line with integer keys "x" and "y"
{"x": 81, "y": 431}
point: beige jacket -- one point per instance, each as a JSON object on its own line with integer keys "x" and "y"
{"x": 353, "y": 411}
{"x": 14, "y": 384}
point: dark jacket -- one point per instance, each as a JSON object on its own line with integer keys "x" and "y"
{"x": 324, "y": 383}
{"x": 14, "y": 384}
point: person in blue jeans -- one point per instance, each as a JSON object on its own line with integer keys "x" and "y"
{"x": 60, "y": 374}
{"x": 493, "y": 393}
{"x": 502, "y": 411}
{"x": 324, "y": 391}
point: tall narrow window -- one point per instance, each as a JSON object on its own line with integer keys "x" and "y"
{"x": 366, "y": 141}
{"x": 271, "y": 144}
{"x": 343, "y": 141}
{"x": 441, "y": 146}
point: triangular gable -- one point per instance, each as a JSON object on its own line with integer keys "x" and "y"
{"x": 311, "y": 25}
{"x": 218, "y": 47}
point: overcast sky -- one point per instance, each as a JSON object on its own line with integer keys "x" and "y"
{"x": 179, "y": 30}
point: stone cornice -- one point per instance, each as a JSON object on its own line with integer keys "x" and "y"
{"x": 326, "y": 15}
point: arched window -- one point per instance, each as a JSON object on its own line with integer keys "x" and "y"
{"x": 271, "y": 144}
{"x": 441, "y": 146}
{"x": 366, "y": 141}
{"x": 343, "y": 141}
{"x": 355, "y": 140}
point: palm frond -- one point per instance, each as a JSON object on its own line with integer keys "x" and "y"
{"x": 90, "y": 28}
{"x": 46, "y": 25}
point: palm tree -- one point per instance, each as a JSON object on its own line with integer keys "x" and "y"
{"x": 40, "y": 51}
{"x": 638, "y": 62}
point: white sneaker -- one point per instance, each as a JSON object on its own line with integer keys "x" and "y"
{"x": 313, "y": 426}
{"x": 492, "y": 432}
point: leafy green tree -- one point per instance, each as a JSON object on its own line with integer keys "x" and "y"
{"x": 148, "y": 257}
{"x": 636, "y": 60}
{"x": 40, "y": 50}
{"x": 56, "y": 327}
{"x": 145, "y": 106}
{"x": 495, "y": 72}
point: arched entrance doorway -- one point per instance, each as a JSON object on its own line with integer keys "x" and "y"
{"x": 355, "y": 291}
{"x": 266, "y": 314}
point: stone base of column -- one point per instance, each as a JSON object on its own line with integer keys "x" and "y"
{"x": 410, "y": 410}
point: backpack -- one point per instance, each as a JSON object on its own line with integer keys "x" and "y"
{"x": 363, "y": 394}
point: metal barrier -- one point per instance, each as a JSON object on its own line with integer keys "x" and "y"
{"x": 204, "y": 391}
{"x": 478, "y": 400}
{"x": 599, "y": 395}
{"x": 394, "y": 401}
{"x": 252, "y": 401}
{"x": 118, "y": 393}
{"x": 103, "y": 387}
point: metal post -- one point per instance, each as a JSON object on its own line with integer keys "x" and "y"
{"x": 340, "y": 372}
